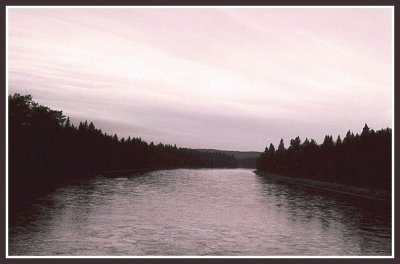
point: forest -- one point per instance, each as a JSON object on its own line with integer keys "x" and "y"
{"x": 45, "y": 148}
{"x": 361, "y": 160}
{"x": 44, "y": 143}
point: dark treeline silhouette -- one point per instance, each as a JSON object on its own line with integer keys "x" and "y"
{"x": 43, "y": 143}
{"x": 358, "y": 160}
{"x": 247, "y": 163}
{"x": 245, "y": 159}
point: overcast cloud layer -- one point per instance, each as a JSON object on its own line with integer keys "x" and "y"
{"x": 234, "y": 79}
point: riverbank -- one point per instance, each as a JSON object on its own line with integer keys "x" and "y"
{"x": 370, "y": 193}
{"x": 114, "y": 173}
{"x": 39, "y": 184}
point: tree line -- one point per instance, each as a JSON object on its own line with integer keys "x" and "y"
{"x": 362, "y": 160}
{"x": 43, "y": 141}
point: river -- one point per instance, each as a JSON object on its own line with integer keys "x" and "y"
{"x": 215, "y": 212}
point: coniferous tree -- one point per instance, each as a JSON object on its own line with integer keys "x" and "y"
{"x": 361, "y": 160}
{"x": 43, "y": 143}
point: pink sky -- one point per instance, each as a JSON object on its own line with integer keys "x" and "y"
{"x": 225, "y": 78}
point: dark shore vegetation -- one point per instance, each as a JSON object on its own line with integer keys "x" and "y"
{"x": 245, "y": 159}
{"x": 46, "y": 148}
{"x": 361, "y": 160}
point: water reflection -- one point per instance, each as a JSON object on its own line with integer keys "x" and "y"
{"x": 360, "y": 221}
{"x": 198, "y": 212}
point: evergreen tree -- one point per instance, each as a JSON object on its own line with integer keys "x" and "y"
{"x": 43, "y": 143}
{"x": 281, "y": 146}
{"x": 360, "y": 160}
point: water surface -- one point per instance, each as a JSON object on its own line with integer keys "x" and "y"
{"x": 198, "y": 212}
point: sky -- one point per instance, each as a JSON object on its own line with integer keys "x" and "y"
{"x": 222, "y": 78}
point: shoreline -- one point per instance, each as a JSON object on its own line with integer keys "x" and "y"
{"x": 117, "y": 173}
{"x": 73, "y": 174}
{"x": 369, "y": 193}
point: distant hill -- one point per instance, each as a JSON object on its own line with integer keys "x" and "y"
{"x": 246, "y": 159}
{"x": 236, "y": 154}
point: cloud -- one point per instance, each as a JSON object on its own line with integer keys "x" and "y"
{"x": 211, "y": 77}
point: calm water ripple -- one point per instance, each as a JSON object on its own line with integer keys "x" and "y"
{"x": 198, "y": 212}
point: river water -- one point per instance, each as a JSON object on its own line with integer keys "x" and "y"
{"x": 217, "y": 212}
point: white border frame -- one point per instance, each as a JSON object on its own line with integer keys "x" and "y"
{"x": 203, "y": 257}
